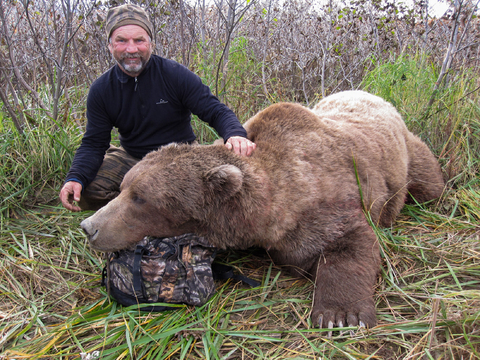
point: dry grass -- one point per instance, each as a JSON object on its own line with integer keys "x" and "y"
{"x": 428, "y": 300}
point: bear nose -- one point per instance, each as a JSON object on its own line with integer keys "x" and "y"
{"x": 88, "y": 229}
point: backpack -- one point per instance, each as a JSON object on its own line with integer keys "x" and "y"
{"x": 173, "y": 270}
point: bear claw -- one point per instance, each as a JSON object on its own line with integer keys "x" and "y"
{"x": 320, "y": 321}
{"x": 330, "y": 320}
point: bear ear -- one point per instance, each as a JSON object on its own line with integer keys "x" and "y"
{"x": 223, "y": 181}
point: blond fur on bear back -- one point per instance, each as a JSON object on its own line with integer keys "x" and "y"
{"x": 370, "y": 112}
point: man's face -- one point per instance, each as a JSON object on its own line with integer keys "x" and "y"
{"x": 131, "y": 47}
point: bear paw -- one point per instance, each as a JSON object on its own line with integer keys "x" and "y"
{"x": 362, "y": 315}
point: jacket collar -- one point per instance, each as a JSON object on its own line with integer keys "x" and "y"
{"x": 124, "y": 78}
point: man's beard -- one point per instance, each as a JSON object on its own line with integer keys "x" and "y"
{"x": 134, "y": 69}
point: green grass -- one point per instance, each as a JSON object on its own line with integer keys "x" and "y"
{"x": 428, "y": 293}
{"x": 451, "y": 128}
{"x": 33, "y": 164}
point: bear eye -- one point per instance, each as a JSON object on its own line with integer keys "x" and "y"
{"x": 138, "y": 200}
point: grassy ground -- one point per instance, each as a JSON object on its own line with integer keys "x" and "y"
{"x": 428, "y": 292}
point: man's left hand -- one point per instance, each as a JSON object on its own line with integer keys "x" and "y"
{"x": 240, "y": 145}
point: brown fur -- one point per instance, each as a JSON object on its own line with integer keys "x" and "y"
{"x": 297, "y": 196}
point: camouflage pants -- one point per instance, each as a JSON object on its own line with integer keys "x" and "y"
{"x": 106, "y": 185}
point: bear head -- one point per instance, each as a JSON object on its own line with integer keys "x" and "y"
{"x": 172, "y": 191}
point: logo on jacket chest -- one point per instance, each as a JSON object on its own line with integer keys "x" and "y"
{"x": 161, "y": 101}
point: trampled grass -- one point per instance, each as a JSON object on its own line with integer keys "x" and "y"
{"x": 428, "y": 301}
{"x": 428, "y": 293}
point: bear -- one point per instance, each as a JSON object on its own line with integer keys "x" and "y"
{"x": 307, "y": 195}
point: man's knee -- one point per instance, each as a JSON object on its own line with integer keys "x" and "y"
{"x": 98, "y": 194}
{"x": 106, "y": 185}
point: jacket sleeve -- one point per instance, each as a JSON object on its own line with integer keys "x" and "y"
{"x": 95, "y": 142}
{"x": 198, "y": 98}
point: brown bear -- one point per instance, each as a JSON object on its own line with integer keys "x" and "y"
{"x": 306, "y": 195}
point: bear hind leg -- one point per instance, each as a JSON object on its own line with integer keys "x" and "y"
{"x": 425, "y": 180}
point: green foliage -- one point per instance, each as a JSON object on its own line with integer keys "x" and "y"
{"x": 243, "y": 69}
{"x": 240, "y": 92}
{"x": 204, "y": 132}
{"x": 33, "y": 164}
{"x": 406, "y": 80}
{"x": 452, "y": 127}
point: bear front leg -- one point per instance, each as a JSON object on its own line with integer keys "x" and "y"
{"x": 345, "y": 276}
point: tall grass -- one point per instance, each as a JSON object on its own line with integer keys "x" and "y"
{"x": 452, "y": 127}
{"x": 428, "y": 294}
{"x": 240, "y": 92}
{"x": 33, "y": 164}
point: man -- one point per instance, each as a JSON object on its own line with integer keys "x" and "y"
{"x": 150, "y": 100}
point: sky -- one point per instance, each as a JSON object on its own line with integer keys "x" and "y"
{"x": 436, "y": 8}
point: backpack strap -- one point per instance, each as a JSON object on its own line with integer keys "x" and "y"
{"x": 137, "y": 272}
{"x": 106, "y": 274}
{"x": 224, "y": 272}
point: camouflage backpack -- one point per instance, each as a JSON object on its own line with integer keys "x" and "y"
{"x": 174, "y": 270}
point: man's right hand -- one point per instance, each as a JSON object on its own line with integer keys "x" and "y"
{"x": 71, "y": 192}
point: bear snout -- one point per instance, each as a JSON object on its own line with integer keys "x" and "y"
{"x": 89, "y": 230}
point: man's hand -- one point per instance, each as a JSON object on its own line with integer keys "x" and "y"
{"x": 240, "y": 145}
{"x": 71, "y": 192}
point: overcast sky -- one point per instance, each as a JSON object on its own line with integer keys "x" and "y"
{"x": 436, "y": 8}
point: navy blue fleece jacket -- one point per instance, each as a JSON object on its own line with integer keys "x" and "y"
{"x": 149, "y": 111}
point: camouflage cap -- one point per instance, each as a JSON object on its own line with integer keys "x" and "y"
{"x": 128, "y": 14}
